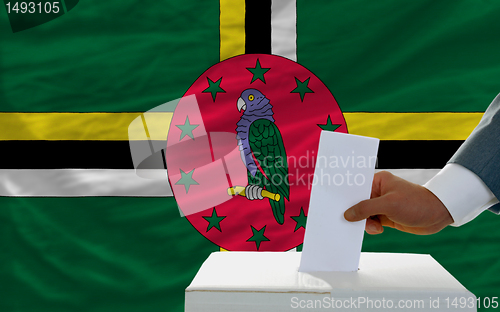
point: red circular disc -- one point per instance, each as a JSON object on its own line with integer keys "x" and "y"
{"x": 303, "y": 106}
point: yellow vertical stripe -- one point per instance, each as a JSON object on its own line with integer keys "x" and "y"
{"x": 232, "y": 31}
{"x": 232, "y": 28}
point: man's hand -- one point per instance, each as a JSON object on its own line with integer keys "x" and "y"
{"x": 402, "y": 205}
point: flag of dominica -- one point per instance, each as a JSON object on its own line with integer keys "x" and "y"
{"x": 84, "y": 230}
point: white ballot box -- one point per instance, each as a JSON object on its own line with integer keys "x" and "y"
{"x": 270, "y": 281}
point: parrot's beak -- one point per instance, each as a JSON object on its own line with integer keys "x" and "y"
{"x": 241, "y": 104}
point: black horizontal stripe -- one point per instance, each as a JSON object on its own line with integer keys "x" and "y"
{"x": 65, "y": 154}
{"x": 415, "y": 154}
{"x": 116, "y": 154}
{"x": 258, "y": 26}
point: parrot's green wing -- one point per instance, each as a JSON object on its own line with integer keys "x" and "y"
{"x": 267, "y": 146}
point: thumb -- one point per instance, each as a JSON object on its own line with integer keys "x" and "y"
{"x": 365, "y": 209}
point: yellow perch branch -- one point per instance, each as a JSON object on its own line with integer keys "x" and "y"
{"x": 240, "y": 190}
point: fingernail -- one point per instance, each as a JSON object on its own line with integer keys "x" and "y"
{"x": 349, "y": 215}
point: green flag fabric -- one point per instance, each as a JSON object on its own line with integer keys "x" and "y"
{"x": 390, "y": 56}
{"x": 80, "y": 234}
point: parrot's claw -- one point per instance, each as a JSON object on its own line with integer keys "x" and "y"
{"x": 253, "y": 191}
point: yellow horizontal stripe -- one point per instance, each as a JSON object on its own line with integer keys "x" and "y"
{"x": 413, "y": 126}
{"x": 82, "y": 126}
{"x": 118, "y": 126}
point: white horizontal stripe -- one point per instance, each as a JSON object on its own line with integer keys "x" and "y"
{"x": 82, "y": 182}
{"x": 417, "y": 176}
{"x": 112, "y": 182}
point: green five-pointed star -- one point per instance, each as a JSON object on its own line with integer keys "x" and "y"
{"x": 187, "y": 129}
{"x": 214, "y": 88}
{"x": 258, "y": 72}
{"x": 300, "y": 219}
{"x": 214, "y": 221}
{"x": 302, "y": 88}
{"x": 258, "y": 236}
{"x": 187, "y": 180}
{"x": 329, "y": 125}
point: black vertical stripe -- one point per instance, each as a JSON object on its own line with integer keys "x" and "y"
{"x": 164, "y": 159}
{"x": 258, "y": 26}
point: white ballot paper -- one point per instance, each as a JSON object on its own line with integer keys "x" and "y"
{"x": 343, "y": 176}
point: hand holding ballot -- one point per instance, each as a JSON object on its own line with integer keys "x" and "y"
{"x": 402, "y": 205}
{"x": 465, "y": 187}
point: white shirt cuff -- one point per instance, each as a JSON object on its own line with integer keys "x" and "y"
{"x": 462, "y": 192}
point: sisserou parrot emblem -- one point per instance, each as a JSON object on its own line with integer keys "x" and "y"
{"x": 242, "y": 149}
{"x": 263, "y": 153}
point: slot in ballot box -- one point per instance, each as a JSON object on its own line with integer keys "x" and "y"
{"x": 270, "y": 281}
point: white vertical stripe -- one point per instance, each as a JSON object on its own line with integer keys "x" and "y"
{"x": 284, "y": 28}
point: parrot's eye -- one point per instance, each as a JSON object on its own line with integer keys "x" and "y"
{"x": 251, "y": 97}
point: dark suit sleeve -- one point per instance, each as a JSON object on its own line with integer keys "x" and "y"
{"x": 480, "y": 153}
